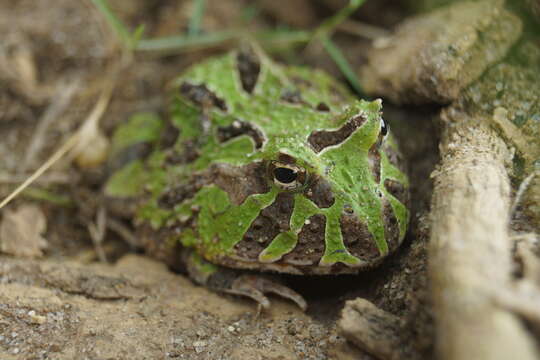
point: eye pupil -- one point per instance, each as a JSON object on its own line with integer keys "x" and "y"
{"x": 285, "y": 175}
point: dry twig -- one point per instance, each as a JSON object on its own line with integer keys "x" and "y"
{"x": 97, "y": 232}
{"x": 54, "y": 110}
{"x": 470, "y": 250}
{"x": 375, "y": 331}
{"x": 74, "y": 144}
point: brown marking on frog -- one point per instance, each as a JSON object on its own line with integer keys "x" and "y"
{"x": 271, "y": 221}
{"x": 138, "y": 151}
{"x": 189, "y": 154}
{"x": 239, "y": 182}
{"x": 286, "y": 159}
{"x": 320, "y": 139}
{"x": 357, "y": 238}
{"x": 374, "y": 159}
{"x": 310, "y": 246}
{"x": 201, "y": 96}
{"x": 397, "y": 190}
{"x": 249, "y": 69}
{"x": 341, "y": 268}
{"x": 322, "y": 106}
{"x": 391, "y": 226}
{"x": 158, "y": 244}
{"x": 301, "y": 82}
{"x": 395, "y": 158}
{"x": 179, "y": 193}
{"x": 169, "y": 136}
{"x": 239, "y": 128}
{"x": 292, "y": 97}
{"x": 320, "y": 192}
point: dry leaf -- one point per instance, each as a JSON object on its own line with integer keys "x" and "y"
{"x": 20, "y": 231}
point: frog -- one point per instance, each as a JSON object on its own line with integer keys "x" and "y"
{"x": 262, "y": 169}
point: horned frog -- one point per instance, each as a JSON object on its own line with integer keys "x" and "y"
{"x": 263, "y": 168}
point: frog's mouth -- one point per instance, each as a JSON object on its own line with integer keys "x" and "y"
{"x": 295, "y": 269}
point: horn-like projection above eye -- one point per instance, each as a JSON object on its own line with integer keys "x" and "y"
{"x": 321, "y": 139}
{"x": 249, "y": 69}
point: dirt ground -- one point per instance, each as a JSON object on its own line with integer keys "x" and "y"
{"x": 62, "y": 302}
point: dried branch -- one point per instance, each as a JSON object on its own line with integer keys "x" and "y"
{"x": 470, "y": 250}
{"x": 375, "y": 331}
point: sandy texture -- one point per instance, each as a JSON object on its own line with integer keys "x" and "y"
{"x": 68, "y": 311}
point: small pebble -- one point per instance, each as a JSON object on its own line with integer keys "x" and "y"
{"x": 36, "y": 319}
{"x": 199, "y": 346}
{"x": 54, "y": 348}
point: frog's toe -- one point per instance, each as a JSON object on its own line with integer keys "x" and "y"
{"x": 238, "y": 282}
{"x": 245, "y": 289}
{"x": 255, "y": 287}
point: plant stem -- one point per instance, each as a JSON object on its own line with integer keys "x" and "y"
{"x": 342, "y": 63}
{"x": 196, "y": 19}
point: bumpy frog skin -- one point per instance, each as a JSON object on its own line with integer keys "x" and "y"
{"x": 270, "y": 168}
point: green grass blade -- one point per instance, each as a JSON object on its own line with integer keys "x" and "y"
{"x": 342, "y": 63}
{"x": 183, "y": 42}
{"x": 329, "y": 25}
{"x": 118, "y": 26}
{"x": 47, "y": 196}
{"x": 195, "y": 22}
{"x": 136, "y": 36}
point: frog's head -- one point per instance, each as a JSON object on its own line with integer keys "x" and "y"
{"x": 329, "y": 151}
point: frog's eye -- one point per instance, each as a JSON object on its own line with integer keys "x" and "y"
{"x": 287, "y": 176}
{"x": 384, "y": 127}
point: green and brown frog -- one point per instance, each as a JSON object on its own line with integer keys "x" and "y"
{"x": 263, "y": 168}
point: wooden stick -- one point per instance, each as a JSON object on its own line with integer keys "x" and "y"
{"x": 470, "y": 249}
{"x": 375, "y": 331}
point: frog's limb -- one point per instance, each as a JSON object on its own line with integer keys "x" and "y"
{"x": 238, "y": 282}
{"x": 255, "y": 286}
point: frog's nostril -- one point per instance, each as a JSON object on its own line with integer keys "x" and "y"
{"x": 285, "y": 175}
